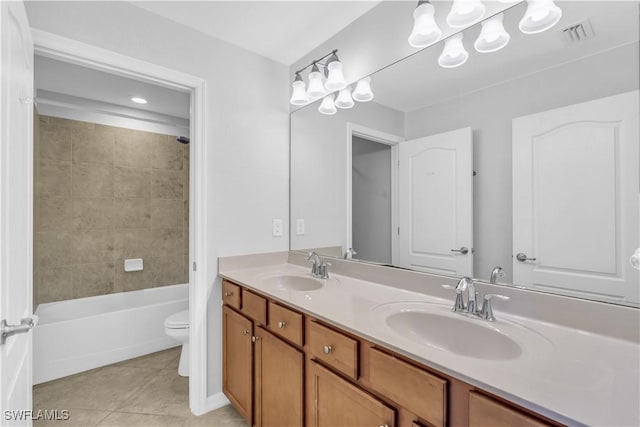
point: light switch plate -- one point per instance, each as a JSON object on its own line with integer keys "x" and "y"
{"x": 135, "y": 264}
{"x": 277, "y": 228}
{"x": 299, "y": 227}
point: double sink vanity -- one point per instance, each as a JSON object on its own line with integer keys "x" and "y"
{"x": 379, "y": 346}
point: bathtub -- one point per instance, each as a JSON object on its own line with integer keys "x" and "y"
{"x": 81, "y": 334}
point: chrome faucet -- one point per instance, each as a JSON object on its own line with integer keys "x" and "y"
{"x": 466, "y": 284}
{"x": 495, "y": 273}
{"x": 350, "y": 253}
{"x": 319, "y": 268}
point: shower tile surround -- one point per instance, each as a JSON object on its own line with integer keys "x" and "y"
{"x": 104, "y": 194}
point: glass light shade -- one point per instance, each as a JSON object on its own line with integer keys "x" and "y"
{"x": 362, "y": 92}
{"x": 465, "y": 12}
{"x": 328, "y": 106}
{"x": 540, "y": 16}
{"x": 335, "y": 79}
{"x": 344, "y": 99}
{"x": 299, "y": 96}
{"x": 493, "y": 36}
{"x": 453, "y": 54}
{"x": 316, "y": 88}
{"x": 425, "y": 30}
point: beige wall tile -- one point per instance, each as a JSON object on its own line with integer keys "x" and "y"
{"x": 54, "y": 284}
{"x": 167, "y": 153}
{"x": 167, "y": 213}
{"x": 166, "y": 242}
{"x": 55, "y": 140}
{"x": 93, "y": 143}
{"x": 132, "y": 243}
{"x": 166, "y": 184}
{"x": 53, "y": 213}
{"x": 132, "y": 182}
{"x": 167, "y": 270}
{"x": 92, "y": 180}
{"x": 132, "y": 280}
{"x": 132, "y": 148}
{"x": 54, "y": 179}
{"x": 91, "y": 214}
{"x": 92, "y": 246}
{"x": 55, "y": 248}
{"x": 93, "y": 279}
{"x": 132, "y": 213}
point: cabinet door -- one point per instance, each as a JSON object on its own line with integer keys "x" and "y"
{"x": 237, "y": 359}
{"x": 333, "y": 401}
{"x": 279, "y": 370}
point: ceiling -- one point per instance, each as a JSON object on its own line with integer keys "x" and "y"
{"x": 418, "y": 81}
{"x": 280, "y": 30}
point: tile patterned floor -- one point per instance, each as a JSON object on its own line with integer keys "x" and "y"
{"x": 146, "y": 391}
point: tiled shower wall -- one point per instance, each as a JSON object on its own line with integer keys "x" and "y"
{"x": 105, "y": 194}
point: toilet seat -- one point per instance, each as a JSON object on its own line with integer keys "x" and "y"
{"x": 179, "y": 320}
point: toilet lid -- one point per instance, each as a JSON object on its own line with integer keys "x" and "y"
{"x": 178, "y": 320}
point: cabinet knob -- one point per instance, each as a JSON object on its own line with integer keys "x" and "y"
{"x": 228, "y": 294}
{"x": 245, "y": 332}
{"x": 254, "y": 338}
{"x": 327, "y": 349}
{"x": 384, "y": 425}
{"x": 281, "y": 324}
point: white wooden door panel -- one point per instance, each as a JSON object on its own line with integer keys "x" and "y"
{"x": 575, "y": 191}
{"x": 436, "y": 203}
{"x": 16, "y": 206}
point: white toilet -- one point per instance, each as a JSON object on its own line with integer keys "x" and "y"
{"x": 177, "y": 327}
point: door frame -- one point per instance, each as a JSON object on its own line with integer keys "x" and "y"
{"x": 73, "y": 51}
{"x": 354, "y": 129}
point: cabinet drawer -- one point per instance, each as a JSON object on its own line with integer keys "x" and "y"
{"x": 418, "y": 391}
{"x": 286, "y": 323}
{"x": 333, "y": 348}
{"x": 231, "y": 294}
{"x": 487, "y": 412}
{"x": 254, "y": 306}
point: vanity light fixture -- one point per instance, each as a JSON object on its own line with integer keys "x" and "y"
{"x": 344, "y": 99}
{"x": 540, "y": 16}
{"x": 454, "y": 53}
{"x": 425, "y": 29}
{"x": 335, "y": 78}
{"x": 362, "y": 92}
{"x": 316, "y": 88}
{"x": 465, "y": 13}
{"x": 299, "y": 95}
{"x": 328, "y": 106}
{"x": 138, "y": 100}
{"x": 493, "y": 36}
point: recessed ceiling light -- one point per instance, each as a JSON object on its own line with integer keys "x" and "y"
{"x": 138, "y": 100}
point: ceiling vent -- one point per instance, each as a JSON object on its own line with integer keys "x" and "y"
{"x": 577, "y": 33}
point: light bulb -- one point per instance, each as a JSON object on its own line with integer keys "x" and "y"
{"x": 453, "y": 54}
{"x": 335, "y": 79}
{"x": 425, "y": 30}
{"x": 464, "y": 13}
{"x": 493, "y": 36}
{"x": 344, "y": 99}
{"x": 316, "y": 88}
{"x": 540, "y": 16}
{"x": 299, "y": 96}
{"x": 362, "y": 92}
{"x": 328, "y": 106}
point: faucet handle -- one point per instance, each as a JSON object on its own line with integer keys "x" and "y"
{"x": 310, "y": 255}
{"x": 323, "y": 270}
{"x": 487, "y": 309}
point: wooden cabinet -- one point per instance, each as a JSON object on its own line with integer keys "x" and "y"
{"x": 333, "y": 401}
{"x": 333, "y": 348}
{"x": 237, "y": 361}
{"x": 286, "y": 323}
{"x": 487, "y": 412}
{"x": 279, "y": 379}
{"x": 231, "y": 294}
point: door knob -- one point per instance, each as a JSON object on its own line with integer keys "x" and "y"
{"x": 228, "y": 294}
{"x": 327, "y": 349}
{"x": 281, "y": 324}
{"x": 523, "y": 257}
{"x": 7, "y": 330}
{"x": 463, "y": 250}
{"x": 245, "y": 332}
{"x": 254, "y": 338}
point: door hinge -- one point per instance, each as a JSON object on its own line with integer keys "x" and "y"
{"x": 194, "y": 266}
{"x": 398, "y": 231}
{"x": 475, "y": 173}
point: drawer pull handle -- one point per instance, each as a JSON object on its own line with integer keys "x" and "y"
{"x": 228, "y": 294}
{"x": 245, "y": 332}
{"x": 282, "y": 324}
{"x": 327, "y": 349}
{"x": 254, "y": 338}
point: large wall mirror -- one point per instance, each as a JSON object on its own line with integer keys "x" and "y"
{"x": 522, "y": 166}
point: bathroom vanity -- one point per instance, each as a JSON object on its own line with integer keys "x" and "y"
{"x": 344, "y": 351}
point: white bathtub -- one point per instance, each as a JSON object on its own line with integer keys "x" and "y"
{"x": 81, "y": 334}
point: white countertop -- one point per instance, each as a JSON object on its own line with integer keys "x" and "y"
{"x": 569, "y": 375}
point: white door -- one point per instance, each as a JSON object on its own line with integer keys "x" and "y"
{"x": 436, "y": 203}
{"x": 16, "y": 204}
{"x": 575, "y": 198}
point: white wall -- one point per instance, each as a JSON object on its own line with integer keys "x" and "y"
{"x": 489, "y": 113}
{"x": 319, "y": 169}
{"x": 247, "y": 125}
